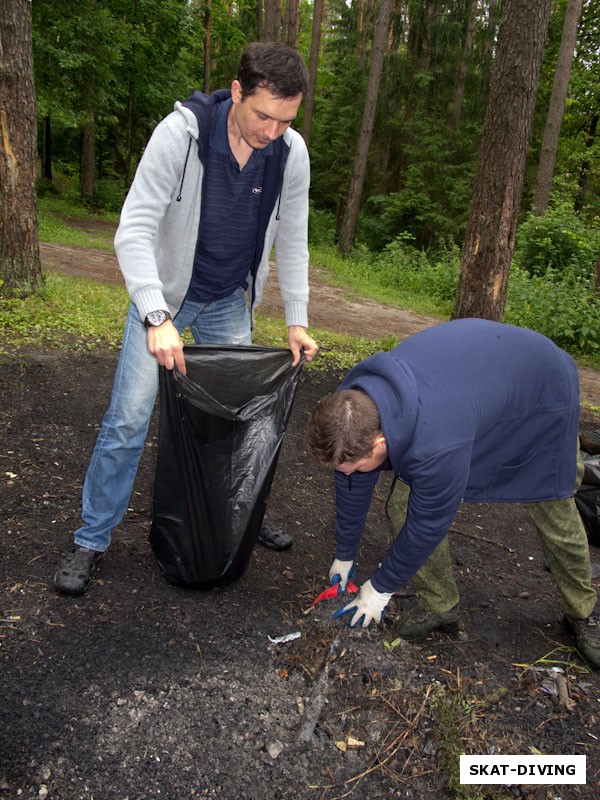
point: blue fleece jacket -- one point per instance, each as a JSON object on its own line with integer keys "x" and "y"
{"x": 471, "y": 410}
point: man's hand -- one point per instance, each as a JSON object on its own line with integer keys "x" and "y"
{"x": 164, "y": 342}
{"x": 366, "y": 607}
{"x": 340, "y": 572}
{"x": 300, "y": 343}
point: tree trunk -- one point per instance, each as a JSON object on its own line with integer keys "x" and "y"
{"x": 129, "y": 134}
{"x": 459, "y": 92}
{"x": 47, "y": 150}
{"x": 270, "y": 21}
{"x": 291, "y": 23}
{"x": 313, "y": 68}
{"x": 597, "y": 278}
{"x": 20, "y": 267}
{"x": 556, "y": 109}
{"x": 260, "y": 21}
{"x": 207, "y": 45}
{"x": 349, "y": 221}
{"x": 490, "y": 238}
{"x": 584, "y": 171}
{"x": 87, "y": 170}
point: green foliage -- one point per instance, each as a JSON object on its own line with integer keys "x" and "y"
{"x": 62, "y": 221}
{"x": 321, "y": 226}
{"x": 401, "y": 274}
{"x": 337, "y": 353}
{"x": 453, "y": 714}
{"x": 75, "y": 314}
{"x": 558, "y": 242}
{"x": 561, "y": 307}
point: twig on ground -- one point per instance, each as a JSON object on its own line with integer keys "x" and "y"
{"x": 316, "y": 700}
{"x": 482, "y": 539}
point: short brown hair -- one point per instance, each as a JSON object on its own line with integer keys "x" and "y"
{"x": 342, "y": 428}
{"x": 274, "y": 66}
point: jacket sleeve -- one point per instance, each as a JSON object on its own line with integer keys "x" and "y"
{"x": 436, "y": 492}
{"x": 291, "y": 240}
{"x": 352, "y": 502}
{"x": 154, "y": 188}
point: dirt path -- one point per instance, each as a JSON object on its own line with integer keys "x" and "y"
{"x": 331, "y": 307}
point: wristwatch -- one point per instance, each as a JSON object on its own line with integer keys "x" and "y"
{"x": 156, "y": 318}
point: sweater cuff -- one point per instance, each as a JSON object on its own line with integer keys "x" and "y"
{"x": 380, "y": 584}
{"x": 296, "y": 313}
{"x": 150, "y": 298}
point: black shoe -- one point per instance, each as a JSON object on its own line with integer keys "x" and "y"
{"x": 76, "y": 571}
{"x": 418, "y": 624}
{"x": 273, "y": 538}
{"x": 587, "y": 637}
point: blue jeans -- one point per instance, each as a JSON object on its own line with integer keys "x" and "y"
{"x": 112, "y": 469}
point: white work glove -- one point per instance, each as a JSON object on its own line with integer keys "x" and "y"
{"x": 341, "y": 572}
{"x": 366, "y": 607}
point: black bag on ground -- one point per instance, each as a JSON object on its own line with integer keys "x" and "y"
{"x": 220, "y": 431}
{"x": 587, "y": 498}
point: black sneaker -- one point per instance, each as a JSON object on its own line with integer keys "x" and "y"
{"x": 76, "y": 571}
{"x": 587, "y": 637}
{"x": 273, "y": 538}
{"x": 418, "y": 624}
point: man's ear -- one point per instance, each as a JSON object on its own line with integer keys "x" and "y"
{"x": 236, "y": 91}
{"x": 379, "y": 441}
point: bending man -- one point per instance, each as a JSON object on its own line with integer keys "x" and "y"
{"x": 469, "y": 409}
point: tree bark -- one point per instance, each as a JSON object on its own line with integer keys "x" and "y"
{"x": 556, "y": 109}
{"x": 313, "y": 68}
{"x": 20, "y": 267}
{"x": 584, "y": 171}
{"x": 349, "y": 221}
{"x": 291, "y": 23}
{"x": 87, "y": 170}
{"x": 47, "y": 150}
{"x": 459, "y": 92}
{"x": 207, "y": 45}
{"x": 490, "y": 238}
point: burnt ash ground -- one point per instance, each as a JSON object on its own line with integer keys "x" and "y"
{"x": 142, "y": 690}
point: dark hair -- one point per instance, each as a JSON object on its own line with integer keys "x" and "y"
{"x": 342, "y": 428}
{"x": 274, "y": 66}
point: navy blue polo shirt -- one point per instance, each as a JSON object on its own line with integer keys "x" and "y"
{"x": 226, "y": 244}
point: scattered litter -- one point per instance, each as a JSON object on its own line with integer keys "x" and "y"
{"x": 274, "y": 749}
{"x": 343, "y": 745}
{"x": 289, "y": 637}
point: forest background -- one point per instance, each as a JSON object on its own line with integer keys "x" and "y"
{"x": 105, "y": 73}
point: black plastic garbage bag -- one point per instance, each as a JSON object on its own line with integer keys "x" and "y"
{"x": 220, "y": 431}
{"x": 587, "y": 498}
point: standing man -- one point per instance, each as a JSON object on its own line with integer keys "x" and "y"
{"x": 469, "y": 409}
{"x": 222, "y": 181}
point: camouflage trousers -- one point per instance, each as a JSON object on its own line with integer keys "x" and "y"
{"x": 562, "y": 536}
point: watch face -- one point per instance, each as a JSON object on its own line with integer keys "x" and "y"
{"x": 156, "y": 318}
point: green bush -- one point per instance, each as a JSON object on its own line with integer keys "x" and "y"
{"x": 321, "y": 226}
{"x": 109, "y": 194}
{"x": 558, "y": 242}
{"x": 561, "y": 307}
{"x": 406, "y": 269}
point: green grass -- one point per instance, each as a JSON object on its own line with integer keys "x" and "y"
{"x": 62, "y": 222}
{"x": 71, "y": 313}
{"x": 360, "y": 275}
{"x": 81, "y": 314}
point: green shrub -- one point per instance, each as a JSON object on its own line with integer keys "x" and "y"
{"x": 562, "y": 308}
{"x": 321, "y": 226}
{"x": 559, "y": 242}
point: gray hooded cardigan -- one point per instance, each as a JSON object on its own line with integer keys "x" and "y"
{"x": 156, "y": 238}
